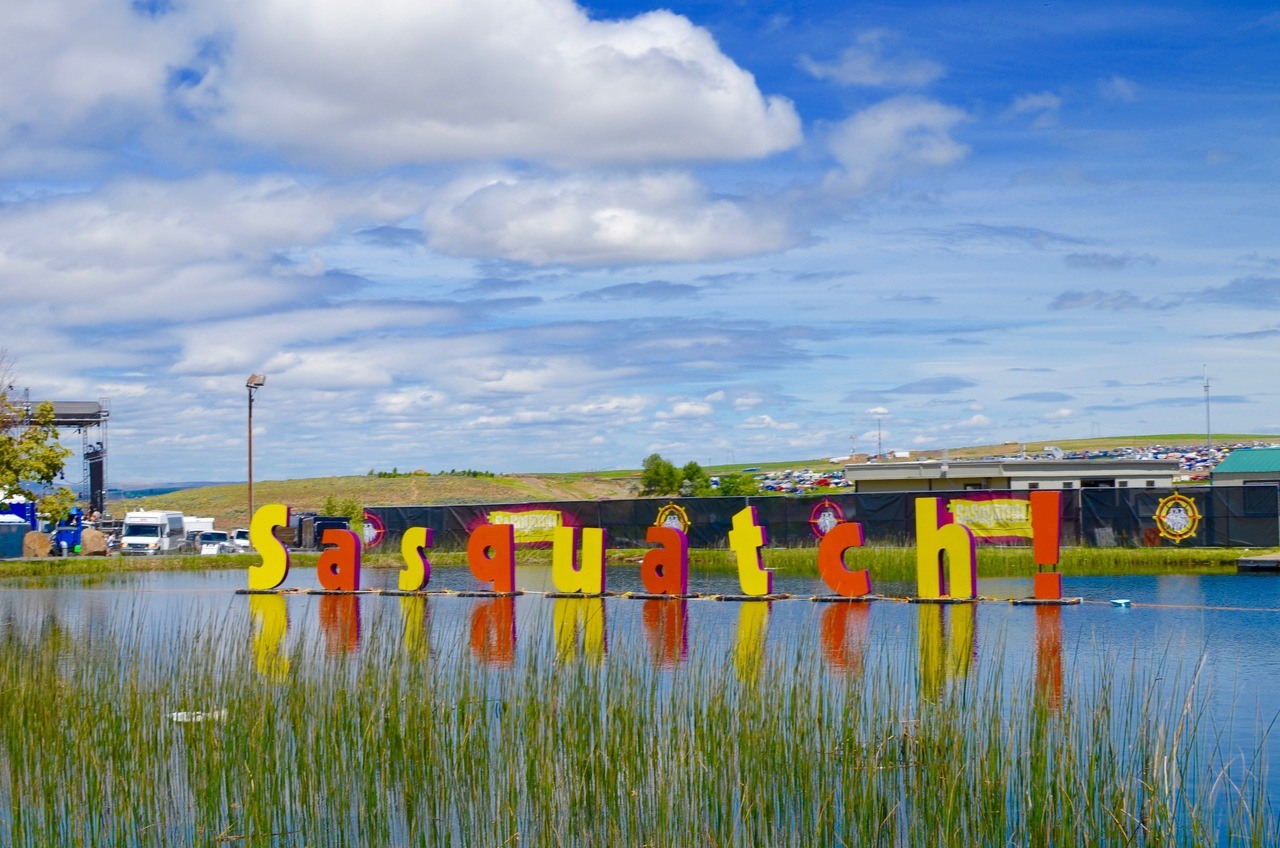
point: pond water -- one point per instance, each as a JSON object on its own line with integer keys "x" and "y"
{"x": 1221, "y": 627}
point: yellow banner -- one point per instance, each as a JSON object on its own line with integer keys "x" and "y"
{"x": 534, "y": 525}
{"x": 994, "y": 518}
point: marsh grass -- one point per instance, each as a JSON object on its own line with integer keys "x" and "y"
{"x": 884, "y": 562}
{"x": 899, "y": 563}
{"x": 389, "y": 746}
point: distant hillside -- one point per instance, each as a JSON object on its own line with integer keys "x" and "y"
{"x": 1181, "y": 440}
{"x": 228, "y": 503}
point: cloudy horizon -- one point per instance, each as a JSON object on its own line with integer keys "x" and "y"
{"x": 548, "y": 236}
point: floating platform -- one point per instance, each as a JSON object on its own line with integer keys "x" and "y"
{"x": 845, "y": 599}
{"x": 1263, "y": 562}
{"x": 774, "y": 597}
{"x": 650, "y": 596}
{"x": 1046, "y": 602}
{"x": 943, "y": 600}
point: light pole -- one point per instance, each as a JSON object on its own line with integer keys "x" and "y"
{"x": 879, "y": 412}
{"x": 254, "y": 383}
{"x": 1208, "y": 428}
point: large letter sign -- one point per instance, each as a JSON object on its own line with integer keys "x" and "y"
{"x": 413, "y": 550}
{"x": 275, "y": 556}
{"x": 338, "y": 567}
{"x": 936, "y": 536}
{"x": 831, "y": 565}
{"x": 665, "y": 569}
{"x": 746, "y": 539}
{"x": 587, "y": 575}
{"x": 491, "y": 553}
{"x": 1046, "y": 524}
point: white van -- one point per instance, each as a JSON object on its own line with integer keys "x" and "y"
{"x": 147, "y": 533}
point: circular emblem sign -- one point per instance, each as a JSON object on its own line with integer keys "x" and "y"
{"x": 1177, "y": 517}
{"x": 374, "y": 530}
{"x": 673, "y": 515}
{"x": 825, "y": 516}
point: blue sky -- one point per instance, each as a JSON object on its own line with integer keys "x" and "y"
{"x": 540, "y": 236}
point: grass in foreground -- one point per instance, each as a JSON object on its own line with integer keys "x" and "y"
{"x": 396, "y": 746}
{"x": 885, "y": 563}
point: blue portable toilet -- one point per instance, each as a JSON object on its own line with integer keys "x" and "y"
{"x": 13, "y": 529}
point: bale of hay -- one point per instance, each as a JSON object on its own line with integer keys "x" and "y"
{"x": 93, "y": 542}
{"x": 36, "y": 544}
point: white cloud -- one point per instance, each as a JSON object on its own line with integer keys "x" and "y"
{"x": 684, "y": 409}
{"x": 1058, "y": 415}
{"x": 766, "y": 422}
{"x": 409, "y": 400}
{"x": 172, "y": 253}
{"x": 78, "y": 74}
{"x": 865, "y": 63}
{"x": 1043, "y": 105}
{"x": 898, "y": 135}
{"x": 386, "y": 82}
{"x": 1118, "y": 88}
{"x": 599, "y": 220}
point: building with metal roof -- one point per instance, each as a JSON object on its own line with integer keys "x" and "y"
{"x": 1245, "y": 466}
{"x": 1012, "y": 474}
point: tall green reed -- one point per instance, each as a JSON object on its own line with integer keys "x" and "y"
{"x": 392, "y": 745}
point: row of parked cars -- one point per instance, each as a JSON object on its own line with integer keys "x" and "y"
{"x": 219, "y": 541}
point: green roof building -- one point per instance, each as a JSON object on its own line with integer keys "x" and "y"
{"x": 1245, "y": 466}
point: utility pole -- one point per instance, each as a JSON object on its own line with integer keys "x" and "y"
{"x": 254, "y": 383}
{"x": 1208, "y": 430}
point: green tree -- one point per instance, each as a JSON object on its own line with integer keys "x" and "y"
{"x": 31, "y": 457}
{"x": 694, "y": 480}
{"x": 739, "y": 484}
{"x": 658, "y": 477}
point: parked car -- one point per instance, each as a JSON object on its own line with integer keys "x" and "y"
{"x": 215, "y": 542}
{"x": 240, "y": 538}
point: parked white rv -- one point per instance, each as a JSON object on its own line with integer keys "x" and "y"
{"x": 198, "y": 525}
{"x": 152, "y": 532}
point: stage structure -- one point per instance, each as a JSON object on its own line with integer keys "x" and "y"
{"x": 89, "y": 419}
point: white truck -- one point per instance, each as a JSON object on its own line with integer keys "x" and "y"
{"x": 151, "y": 532}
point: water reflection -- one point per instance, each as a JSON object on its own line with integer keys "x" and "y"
{"x": 493, "y": 631}
{"x": 415, "y": 614}
{"x": 666, "y": 627}
{"x": 947, "y": 644}
{"x": 270, "y": 619}
{"x": 340, "y": 623}
{"x": 580, "y": 628}
{"x": 844, "y": 636}
{"x": 753, "y": 627}
{"x": 1049, "y": 656}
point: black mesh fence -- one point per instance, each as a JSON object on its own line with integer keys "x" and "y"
{"x": 1235, "y": 516}
{"x": 1222, "y": 516}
